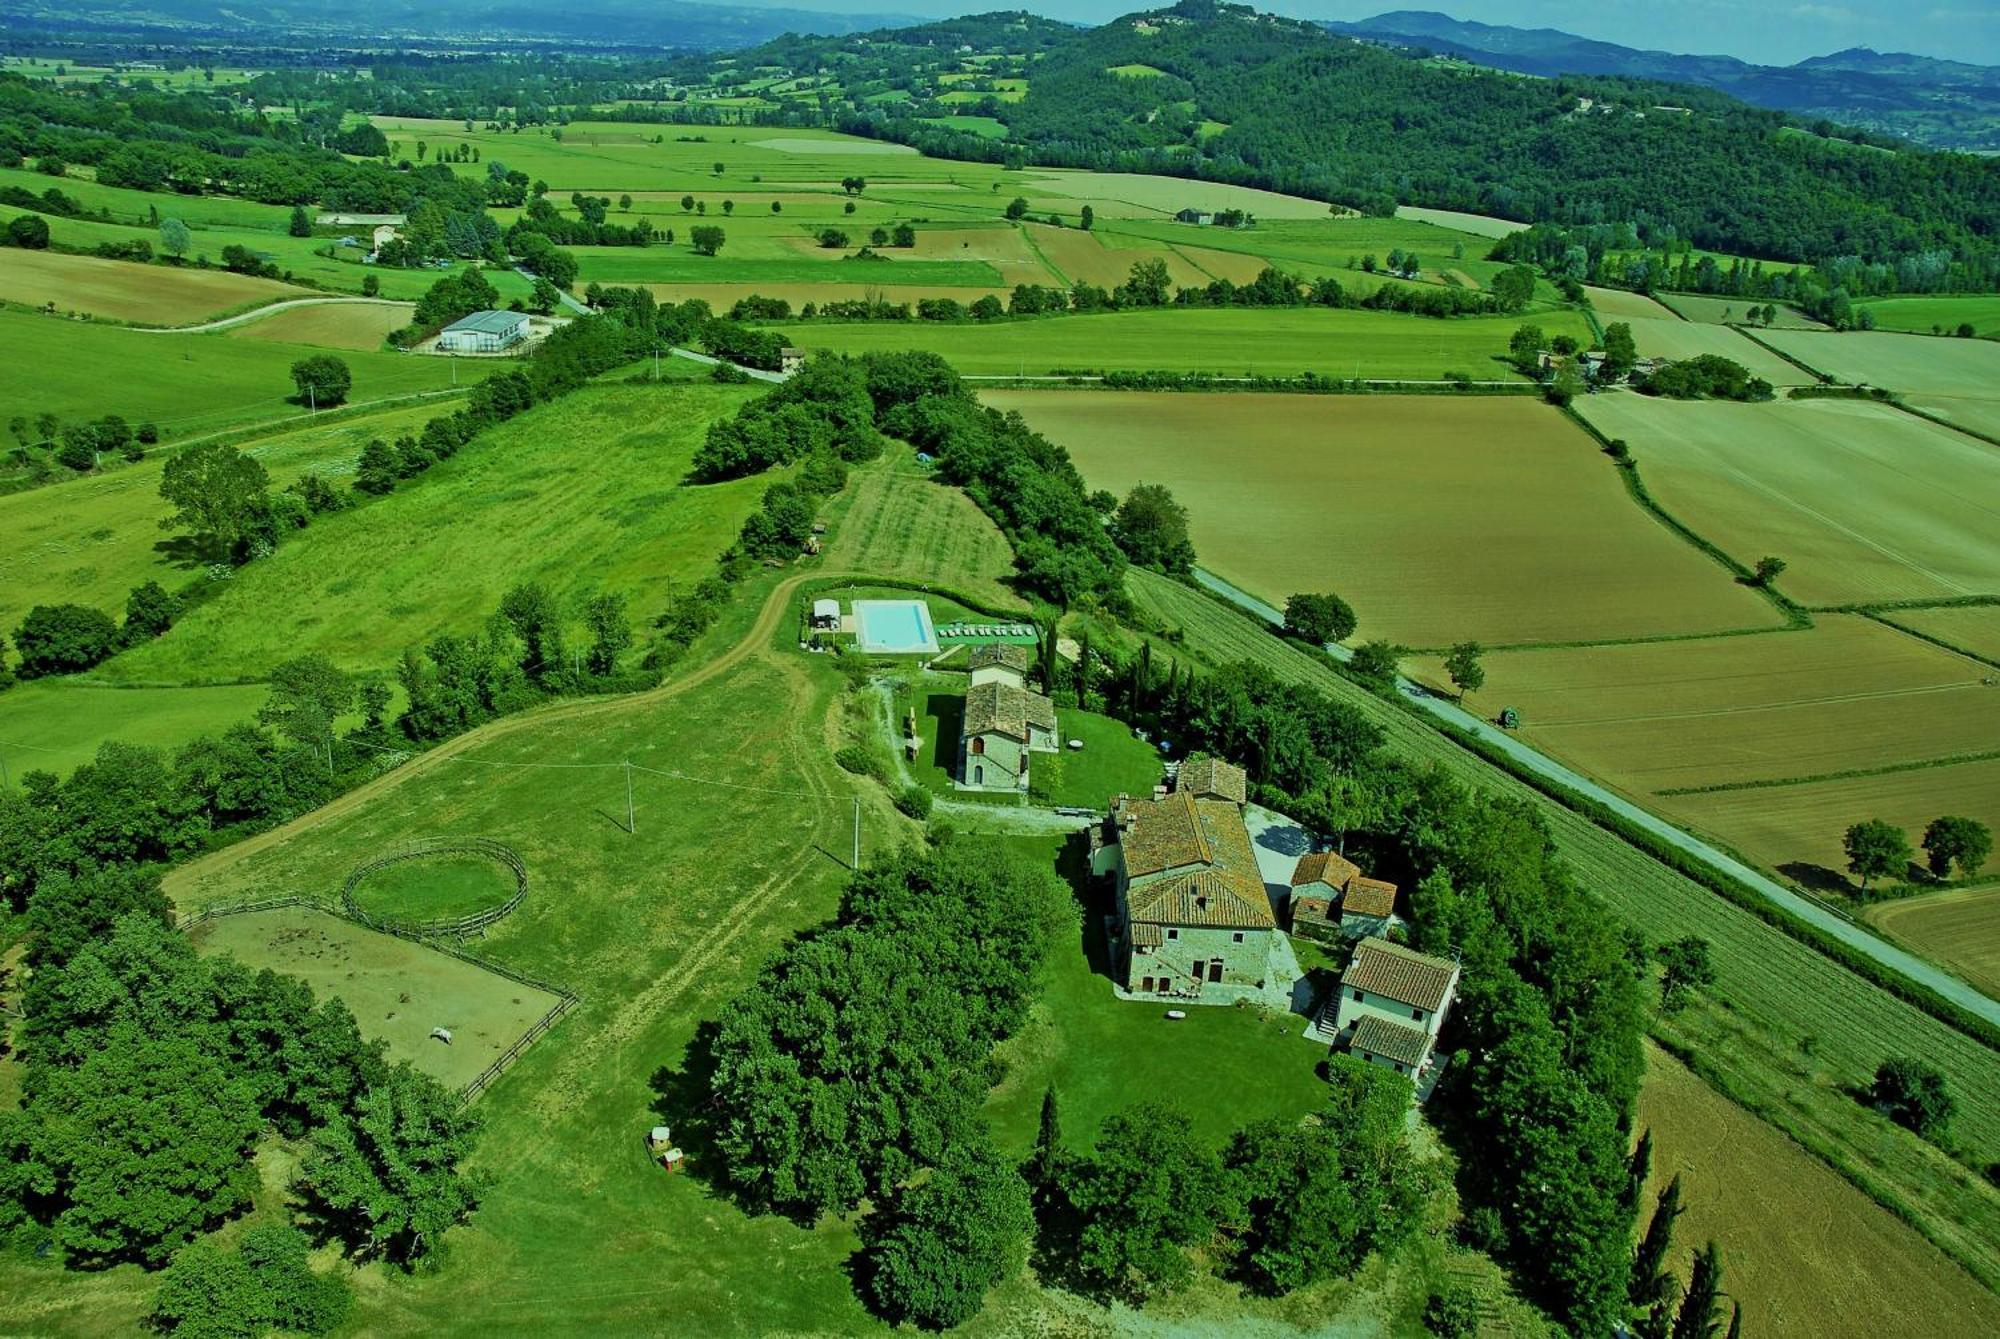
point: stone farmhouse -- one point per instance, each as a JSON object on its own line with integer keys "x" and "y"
{"x": 1192, "y": 913}
{"x": 1332, "y": 899}
{"x": 1391, "y": 1004}
{"x": 1004, "y": 722}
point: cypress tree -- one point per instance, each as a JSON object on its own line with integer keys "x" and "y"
{"x": 1649, "y": 1265}
{"x": 1704, "y": 1293}
{"x": 1637, "y": 1171}
{"x": 1736, "y": 1321}
{"x": 1048, "y": 1144}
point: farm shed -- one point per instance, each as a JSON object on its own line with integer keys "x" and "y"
{"x": 826, "y": 614}
{"x": 484, "y": 332}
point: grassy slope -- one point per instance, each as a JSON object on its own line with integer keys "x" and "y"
{"x": 1784, "y": 1030}
{"x": 584, "y": 494}
{"x": 54, "y": 724}
{"x": 899, "y": 522}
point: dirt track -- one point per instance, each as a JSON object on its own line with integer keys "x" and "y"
{"x": 775, "y": 605}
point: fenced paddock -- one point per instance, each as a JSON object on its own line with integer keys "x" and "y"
{"x": 455, "y": 853}
{"x": 398, "y": 985}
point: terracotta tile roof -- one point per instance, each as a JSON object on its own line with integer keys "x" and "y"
{"x": 1311, "y": 908}
{"x": 1391, "y": 1041}
{"x": 1328, "y": 867}
{"x": 1189, "y": 862}
{"x": 1416, "y": 979}
{"x": 1002, "y": 708}
{"x": 1369, "y": 897}
{"x": 1147, "y": 936}
{"x": 1204, "y": 777}
{"x": 1004, "y": 654}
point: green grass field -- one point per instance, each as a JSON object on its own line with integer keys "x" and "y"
{"x": 897, "y": 522}
{"x": 51, "y": 725}
{"x": 187, "y": 384}
{"x": 584, "y": 494}
{"x": 136, "y": 207}
{"x": 1784, "y": 1030}
{"x": 680, "y": 265}
{"x": 435, "y": 887}
{"x": 1942, "y": 314}
{"x": 1234, "y": 342}
{"x": 1111, "y": 762}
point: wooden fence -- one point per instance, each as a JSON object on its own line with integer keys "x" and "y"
{"x": 455, "y": 926}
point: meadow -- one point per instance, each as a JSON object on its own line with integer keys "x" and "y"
{"x": 585, "y": 495}
{"x": 1670, "y": 337}
{"x": 1619, "y": 304}
{"x": 397, "y": 990}
{"x": 138, "y": 208}
{"x": 1784, "y": 1031}
{"x": 1974, "y": 630}
{"x": 1864, "y": 503}
{"x": 1848, "y": 694}
{"x": 1482, "y": 225}
{"x": 187, "y": 384}
{"x": 1727, "y": 311}
{"x": 52, "y": 725}
{"x": 1952, "y": 378}
{"x": 896, "y": 520}
{"x": 1795, "y": 1238}
{"x": 1942, "y": 314}
{"x": 360, "y": 326}
{"x": 90, "y": 540}
{"x": 1350, "y": 493}
{"x": 124, "y": 291}
{"x": 1229, "y": 342}
{"x": 1960, "y": 929}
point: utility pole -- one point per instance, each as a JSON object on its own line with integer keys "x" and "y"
{"x": 857, "y": 833}
{"x": 631, "y": 822}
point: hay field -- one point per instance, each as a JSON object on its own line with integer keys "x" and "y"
{"x": 1864, "y": 502}
{"x": 583, "y": 494}
{"x": 1085, "y": 258}
{"x": 1956, "y": 379}
{"x": 55, "y": 724}
{"x": 1140, "y": 195}
{"x": 333, "y": 325}
{"x": 1725, "y": 311}
{"x": 397, "y": 990}
{"x": 1618, "y": 304}
{"x": 899, "y": 523}
{"x": 1357, "y": 495}
{"x": 1846, "y": 694}
{"x": 124, "y": 290}
{"x": 1803, "y": 1250}
{"x": 1229, "y": 342}
{"x": 1234, "y": 266}
{"x": 1960, "y": 929}
{"x": 1974, "y": 629}
{"x": 1941, "y": 314}
{"x": 187, "y": 384}
{"x": 1801, "y": 826}
{"x": 1671, "y": 337}
{"x": 1480, "y": 225}
{"x": 1004, "y": 248}
{"x": 90, "y": 540}
{"x": 722, "y": 296}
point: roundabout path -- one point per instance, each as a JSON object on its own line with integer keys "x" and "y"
{"x": 244, "y": 318}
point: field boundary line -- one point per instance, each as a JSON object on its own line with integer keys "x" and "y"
{"x": 1773, "y": 349}
{"x": 1936, "y": 641}
{"x": 1851, "y": 774}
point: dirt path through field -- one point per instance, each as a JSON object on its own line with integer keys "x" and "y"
{"x": 258, "y": 314}
{"x": 775, "y": 605}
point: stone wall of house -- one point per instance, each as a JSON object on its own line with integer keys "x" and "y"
{"x": 1243, "y": 963}
{"x": 1004, "y": 760}
{"x": 1395, "y": 1011}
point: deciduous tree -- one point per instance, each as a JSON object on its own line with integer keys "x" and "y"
{"x": 1876, "y": 849}
{"x": 218, "y": 492}
{"x": 1913, "y": 1094}
{"x": 1319, "y": 618}
{"x": 1462, "y": 664}
{"x": 943, "y": 1240}
{"x": 1951, "y": 840}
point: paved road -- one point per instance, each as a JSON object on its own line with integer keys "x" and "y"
{"x": 1530, "y": 759}
{"x": 754, "y": 373}
{"x": 579, "y": 308}
{"x": 244, "y": 318}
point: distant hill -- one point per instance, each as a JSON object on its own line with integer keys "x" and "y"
{"x": 1943, "y": 103}
{"x": 685, "y": 24}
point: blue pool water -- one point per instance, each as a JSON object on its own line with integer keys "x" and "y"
{"x": 891, "y": 627}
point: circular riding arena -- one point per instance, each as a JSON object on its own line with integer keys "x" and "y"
{"x": 440, "y": 886}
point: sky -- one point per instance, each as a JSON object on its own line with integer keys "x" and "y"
{"x": 1769, "y": 32}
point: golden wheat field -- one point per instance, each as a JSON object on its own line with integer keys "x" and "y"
{"x": 1438, "y": 519}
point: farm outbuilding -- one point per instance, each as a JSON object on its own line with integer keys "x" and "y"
{"x": 484, "y": 332}
{"x": 826, "y": 614}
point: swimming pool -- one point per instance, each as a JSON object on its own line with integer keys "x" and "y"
{"x": 895, "y": 627}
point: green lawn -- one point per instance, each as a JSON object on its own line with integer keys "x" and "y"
{"x": 584, "y": 494}
{"x": 187, "y": 384}
{"x": 1111, "y": 762}
{"x": 1234, "y": 342}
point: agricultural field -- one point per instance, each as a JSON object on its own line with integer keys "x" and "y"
{"x": 584, "y": 494}
{"x": 1937, "y": 315}
{"x": 1668, "y": 336}
{"x": 1619, "y": 304}
{"x": 1796, "y": 829}
{"x": 1728, "y": 311}
{"x": 1864, "y": 503}
{"x": 1482, "y": 225}
{"x": 139, "y": 208}
{"x": 90, "y": 540}
{"x": 1975, "y": 630}
{"x": 187, "y": 384}
{"x": 1137, "y": 195}
{"x": 1329, "y": 246}
{"x": 52, "y": 725}
{"x": 1349, "y": 493}
{"x": 1846, "y": 695}
{"x": 1952, "y": 378}
{"x": 356, "y": 325}
{"x": 664, "y": 265}
{"x": 1227, "y": 342}
{"x": 895, "y": 521}
{"x": 1784, "y": 1031}
{"x": 397, "y": 990}
{"x": 122, "y": 290}
{"x": 1794, "y": 1236}
{"x": 1960, "y": 929}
